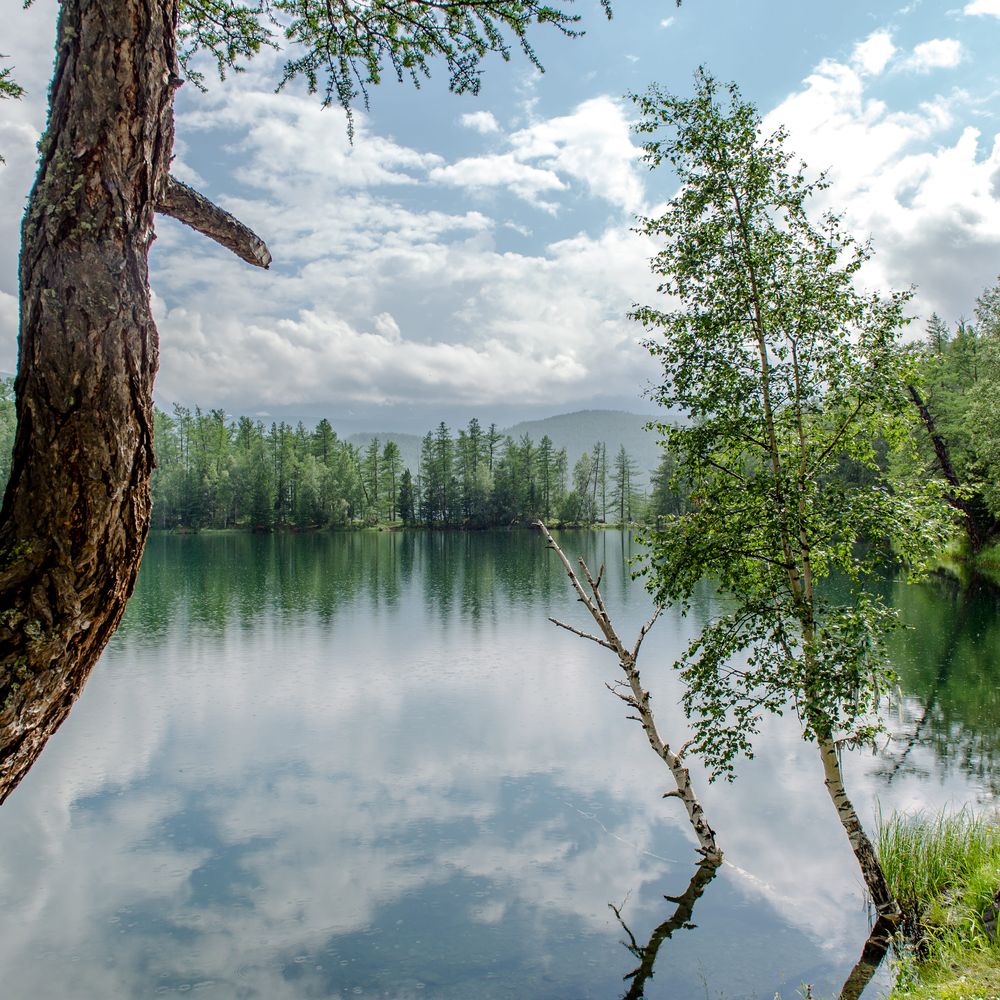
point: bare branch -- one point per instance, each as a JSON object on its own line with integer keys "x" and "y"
{"x": 595, "y": 587}
{"x": 186, "y": 205}
{"x": 582, "y": 634}
{"x": 632, "y": 692}
{"x": 645, "y": 630}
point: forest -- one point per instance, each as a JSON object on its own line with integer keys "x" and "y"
{"x": 214, "y": 471}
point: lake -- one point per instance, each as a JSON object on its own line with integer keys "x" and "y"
{"x": 365, "y": 764}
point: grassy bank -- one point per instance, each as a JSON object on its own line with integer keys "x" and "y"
{"x": 945, "y": 872}
{"x": 959, "y": 562}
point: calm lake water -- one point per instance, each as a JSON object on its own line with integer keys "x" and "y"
{"x": 366, "y": 765}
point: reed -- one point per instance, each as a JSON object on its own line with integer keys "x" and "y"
{"x": 944, "y": 870}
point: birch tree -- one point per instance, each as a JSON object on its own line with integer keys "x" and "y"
{"x": 782, "y": 368}
{"x": 76, "y": 509}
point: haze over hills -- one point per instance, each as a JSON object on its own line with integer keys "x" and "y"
{"x": 416, "y": 418}
{"x": 576, "y": 432}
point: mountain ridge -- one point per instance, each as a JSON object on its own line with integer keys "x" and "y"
{"x": 576, "y": 431}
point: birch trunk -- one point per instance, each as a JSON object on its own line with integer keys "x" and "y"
{"x": 863, "y": 849}
{"x": 637, "y": 698}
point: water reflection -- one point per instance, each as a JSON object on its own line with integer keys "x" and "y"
{"x": 948, "y": 664}
{"x": 679, "y": 919}
{"x": 365, "y": 764}
{"x": 872, "y": 956}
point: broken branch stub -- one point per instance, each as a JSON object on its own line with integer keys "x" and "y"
{"x": 186, "y": 205}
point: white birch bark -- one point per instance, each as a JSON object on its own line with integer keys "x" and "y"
{"x": 633, "y": 693}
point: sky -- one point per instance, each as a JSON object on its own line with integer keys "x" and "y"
{"x": 473, "y": 255}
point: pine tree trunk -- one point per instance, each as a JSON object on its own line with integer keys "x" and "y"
{"x": 77, "y": 506}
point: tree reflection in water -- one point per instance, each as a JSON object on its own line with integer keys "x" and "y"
{"x": 872, "y": 954}
{"x": 874, "y": 951}
{"x": 947, "y": 671}
{"x": 679, "y": 919}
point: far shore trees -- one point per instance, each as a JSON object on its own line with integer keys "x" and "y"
{"x": 959, "y": 408}
{"x": 783, "y": 369}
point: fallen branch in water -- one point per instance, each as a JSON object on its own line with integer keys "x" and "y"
{"x": 632, "y": 692}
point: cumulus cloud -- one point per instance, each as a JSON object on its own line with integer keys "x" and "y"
{"x": 457, "y": 317}
{"x": 591, "y": 146}
{"x": 873, "y": 54}
{"x": 480, "y": 121}
{"x": 926, "y": 198}
{"x": 551, "y": 325}
{"x": 938, "y": 53}
{"x": 991, "y": 7}
{"x": 502, "y": 171}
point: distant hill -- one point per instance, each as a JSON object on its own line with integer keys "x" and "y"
{"x": 408, "y": 444}
{"x": 576, "y": 432}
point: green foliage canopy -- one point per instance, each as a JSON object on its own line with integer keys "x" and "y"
{"x": 783, "y": 369}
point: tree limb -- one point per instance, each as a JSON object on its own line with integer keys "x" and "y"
{"x": 632, "y": 692}
{"x": 582, "y": 634}
{"x": 186, "y": 205}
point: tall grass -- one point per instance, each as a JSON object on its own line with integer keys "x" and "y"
{"x": 933, "y": 859}
{"x": 944, "y": 871}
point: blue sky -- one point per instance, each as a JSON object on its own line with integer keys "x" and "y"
{"x": 473, "y": 254}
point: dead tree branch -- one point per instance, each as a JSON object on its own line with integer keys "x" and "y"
{"x": 637, "y": 697}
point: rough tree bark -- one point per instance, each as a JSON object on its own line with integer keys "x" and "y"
{"x": 635, "y": 695}
{"x": 76, "y": 510}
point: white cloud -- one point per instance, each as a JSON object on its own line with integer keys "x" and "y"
{"x": 592, "y": 146}
{"x": 873, "y": 54}
{"x": 938, "y": 53}
{"x": 667, "y": 22}
{"x": 455, "y": 318}
{"x": 503, "y": 170}
{"x": 457, "y": 321}
{"x": 925, "y": 198}
{"x": 480, "y": 121}
{"x": 983, "y": 7}
{"x": 283, "y": 129}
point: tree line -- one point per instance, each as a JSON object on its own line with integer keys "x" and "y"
{"x": 215, "y": 472}
{"x": 958, "y": 402}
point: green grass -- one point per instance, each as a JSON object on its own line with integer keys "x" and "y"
{"x": 945, "y": 872}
